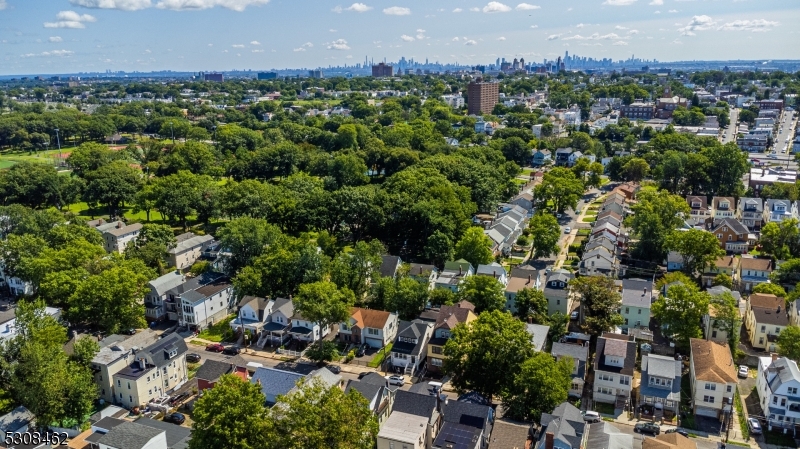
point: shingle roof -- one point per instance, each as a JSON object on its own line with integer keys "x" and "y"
{"x": 212, "y": 370}
{"x": 177, "y": 436}
{"x": 492, "y": 269}
{"x": 604, "y": 435}
{"x": 257, "y": 303}
{"x": 749, "y": 263}
{"x": 538, "y": 333}
{"x": 414, "y": 404}
{"x": 364, "y": 318}
{"x": 285, "y": 306}
{"x": 787, "y": 371}
{"x": 192, "y": 242}
{"x": 159, "y": 350}
{"x": 466, "y": 413}
{"x": 735, "y": 225}
{"x": 167, "y": 282}
{"x": 275, "y": 382}
{"x": 129, "y": 435}
{"x": 565, "y": 423}
{"x": 118, "y": 231}
{"x": 577, "y": 352}
{"x": 450, "y": 316}
{"x": 411, "y": 329}
{"x": 369, "y": 391}
{"x": 389, "y": 265}
{"x": 618, "y": 346}
{"x": 669, "y": 441}
{"x": 509, "y": 435}
{"x": 560, "y": 275}
{"x": 712, "y": 361}
{"x": 637, "y": 293}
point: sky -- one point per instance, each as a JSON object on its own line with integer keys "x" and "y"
{"x": 69, "y": 36}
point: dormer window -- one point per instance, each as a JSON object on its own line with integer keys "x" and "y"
{"x": 695, "y": 204}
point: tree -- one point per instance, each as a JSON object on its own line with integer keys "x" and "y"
{"x": 34, "y": 185}
{"x": 680, "y": 312}
{"x": 355, "y": 269}
{"x": 789, "y": 343}
{"x": 112, "y": 185}
{"x": 315, "y": 415}
{"x": 90, "y": 157}
{"x": 561, "y": 187}
{"x": 474, "y": 247}
{"x": 781, "y": 240}
{"x": 726, "y": 317}
{"x": 656, "y": 215}
{"x": 601, "y": 303}
{"x": 530, "y": 302}
{"x": 407, "y": 297}
{"x": 541, "y": 384}
{"x": 485, "y": 292}
{"x": 515, "y": 149}
{"x": 545, "y": 232}
{"x": 698, "y": 248}
{"x": 323, "y": 303}
{"x": 439, "y": 249}
{"x": 487, "y": 354}
{"x": 246, "y": 238}
{"x": 723, "y": 280}
{"x": 636, "y": 169}
{"x": 770, "y": 289}
{"x": 232, "y": 415}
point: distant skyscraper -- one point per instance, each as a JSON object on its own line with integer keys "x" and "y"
{"x": 216, "y": 77}
{"x": 482, "y": 97}
{"x": 381, "y": 70}
{"x": 315, "y": 74}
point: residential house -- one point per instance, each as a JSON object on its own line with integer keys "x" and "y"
{"x": 753, "y": 271}
{"x": 171, "y": 301}
{"x": 562, "y": 156}
{"x": 614, "y": 365}
{"x": 131, "y": 435}
{"x": 765, "y": 318}
{"x": 464, "y": 424}
{"x": 699, "y": 211}
{"x": 779, "y": 210}
{"x": 211, "y": 370}
{"x": 601, "y": 242}
{"x": 751, "y": 213}
{"x": 16, "y": 286}
{"x": 116, "y": 239}
{"x": 155, "y": 371}
{"x": 611, "y": 206}
{"x": 305, "y": 330}
{"x": 115, "y": 354}
{"x": 447, "y": 319}
{"x": 414, "y": 422}
{"x": 713, "y": 329}
{"x": 728, "y": 265}
{"x": 732, "y": 235}
{"x": 777, "y": 384}
{"x": 660, "y": 387}
{"x": 541, "y": 157}
{"x": 562, "y": 429}
{"x": 424, "y": 273}
{"x": 794, "y": 312}
{"x": 410, "y": 346}
{"x": 18, "y": 420}
{"x": 602, "y": 215}
{"x": 506, "y": 227}
{"x": 202, "y": 307}
{"x": 252, "y": 314}
{"x": 597, "y": 262}
{"x": 276, "y": 324}
{"x": 573, "y": 158}
{"x": 374, "y": 328}
{"x": 713, "y": 378}
{"x": 390, "y": 265}
{"x": 523, "y": 200}
{"x": 275, "y": 382}
{"x": 608, "y": 219}
{"x": 672, "y": 440}
{"x": 637, "y": 298}
{"x": 521, "y": 278}
{"x": 375, "y": 390}
{"x": 628, "y": 189}
{"x": 510, "y": 435}
{"x": 494, "y": 270}
{"x": 188, "y": 249}
{"x": 453, "y": 274}
{"x": 156, "y": 299}
{"x": 723, "y": 207}
{"x": 538, "y": 333}
{"x": 604, "y": 435}
{"x": 8, "y": 321}
{"x": 557, "y": 292}
{"x": 674, "y": 261}
{"x": 579, "y": 353}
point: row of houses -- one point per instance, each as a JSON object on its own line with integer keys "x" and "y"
{"x": 607, "y": 238}
{"x": 748, "y": 213}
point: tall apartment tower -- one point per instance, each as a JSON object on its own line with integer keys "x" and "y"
{"x": 381, "y": 70}
{"x": 482, "y": 97}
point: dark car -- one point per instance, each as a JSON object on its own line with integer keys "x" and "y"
{"x": 678, "y": 431}
{"x": 646, "y": 427}
{"x": 363, "y": 374}
{"x": 193, "y": 358}
{"x": 131, "y": 331}
{"x": 334, "y": 369}
{"x": 361, "y": 351}
{"x": 175, "y": 418}
{"x": 231, "y": 350}
{"x": 215, "y": 347}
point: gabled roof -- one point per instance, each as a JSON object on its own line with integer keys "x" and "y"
{"x": 177, "y": 436}
{"x": 414, "y": 404}
{"x": 159, "y": 351}
{"x": 717, "y": 201}
{"x": 538, "y": 333}
{"x": 727, "y": 262}
{"x": 275, "y": 382}
{"x": 189, "y": 243}
{"x": 454, "y": 266}
{"x": 753, "y": 204}
{"x": 450, "y": 316}
{"x": 768, "y": 309}
{"x": 669, "y": 441}
{"x": 733, "y": 224}
{"x": 364, "y": 318}
{"x": 509, "y": 435}
{"x": 492, "y": 269}
{"x": 618, "y": 346}
{"x": 560, "y": 275}
{"x": 417, "y": 269}
{"x": 750, "y": 263}
{"x": 604, "y": 435}
{"x": 786, "y": 371}
{"x": 256, "y": 303}
{"x": 285, "y": 306}
{"x": 712, "y": 361}
{"x": 466, "y": 413}
{"x": 576, "y": 351}
{"x": 412, "y": 330}
{"x": 565, "y": 423}
{"x": 163, "y": 284}
{"x": 212, "y": 370}
{"x": 389, "y": 265}
{"x": 369, "y": 391}
{"x": 129, "y": 435}
{"x": 120, "y": 229}
{"x": 697, "y": 199}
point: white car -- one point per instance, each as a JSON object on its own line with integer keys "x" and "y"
{"x": 590, "y": 416}
{"x": 744, "y": 372}
{"x": 396, "y": 380}
{"x": 567, "y": 230}
{"x": 772, "y": 156}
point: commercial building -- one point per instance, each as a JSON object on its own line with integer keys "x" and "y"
{"x": 267, "y": 75}
{"x": 482, "y": 97}
{"x": 382, "y": 70}
{"x": 216, "y": 77}
{"x": 315, "y": 74}
{"x": 638, "y": 111}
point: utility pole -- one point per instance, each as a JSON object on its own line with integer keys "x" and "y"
{"x": 59, "y": 146}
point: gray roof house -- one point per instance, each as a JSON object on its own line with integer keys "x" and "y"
{"x": 410, "y": 345}
{"x": 579, "y": 353}
{"x": 597, "y": 262}
{"x": 188, "y": 249}
{"x": 637, "y": 299}
{"x": 130, "y": 435}
{"x": 17, "y": 420}
{"x": 603, "y": 435}
{"x": 661, "y": 384}
{"x": 155, "y": 300}
{"x": 538, "y": 335}
{"x": 389, "y": 266}
{"x": 563, "y": 429}
{"x": 556, "y": 291}
{"x": 275, "y": 382}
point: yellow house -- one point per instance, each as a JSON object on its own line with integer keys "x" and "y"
{"x": 764, "y": 320}
{"x": 449, "y": 317}
{"x": 726, "y": 264}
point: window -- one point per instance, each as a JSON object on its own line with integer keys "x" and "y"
{"x": 775, "y": 400}
{"x": 792, "y": 390}
{"x": 708, "y": 399}
{"x": 436, "y": 349}
{"x": 712, "y": 387}
{"x": 624, "y": 380}
{"x": 729, "y": 389}
{"x": 130, "y": 399}
{"x": 640, "y": 311}
{"x": 445, "y": 334}
{"x": 558, "y": 302}
{"x": 713, "y": 334}
{"x": 119, "y": 383}
{"x": 129, "y": 385}
{"x": 436, "y": 362}
{"x": 372, "y": 331}
{"x": 763, "y": 328}
{"x": 627, "y": 310}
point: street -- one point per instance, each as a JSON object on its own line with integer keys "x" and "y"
{"x": 729, "y": 135}
{"x": 783, "y": 140}
{"x": 702, "y": 443}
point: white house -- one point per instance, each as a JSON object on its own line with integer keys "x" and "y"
{"x": 306, "y": 330}
{"x": 778, "y": 384}
{"x": 614, "y": 365}
{"x": 494, "y": 270}
{"x": 375, "y": 328}
{"x": 713, "y": 376}
{"x": 117, "y": 238}
{"x": 410, "y": 346}
{"x": 206, "y": 305}
{"x": 156, "y": 298}
{"x": 8, "y": 321}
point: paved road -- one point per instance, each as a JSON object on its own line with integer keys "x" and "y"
{"x": 787, "y": 129}
{"x": 638, "y": 438}
{"x": 729, "y": 135}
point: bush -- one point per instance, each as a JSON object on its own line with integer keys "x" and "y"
{"x": 326, "y": 353}
{"x": 351, "y": 355}
{"x": 200, "y": 267}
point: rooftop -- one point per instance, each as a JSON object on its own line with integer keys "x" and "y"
{"x": 712, "y": 361}
{"x": 129, "y": 435}
{"x": 405, "y": 428}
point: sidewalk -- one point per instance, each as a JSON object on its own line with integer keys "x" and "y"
{"x": 562, "y": 255}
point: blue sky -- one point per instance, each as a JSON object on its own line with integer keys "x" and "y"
{"x": 61, "y": 36}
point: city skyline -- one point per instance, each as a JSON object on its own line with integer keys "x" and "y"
{"x": 71, "y": 36}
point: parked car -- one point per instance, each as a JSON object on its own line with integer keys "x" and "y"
{"x": 743, "y": 371}
{"x": 231, "y": 350}
{"x": 193, "y": 358}
{"x": 335, "y": 369}
{"x": 646, "y": 427}
{"x": 361, "y": 351}
{"x": 590, "y": 416}
{"x": 755, "y": 427}
{"x": 175, "y": 418}
{"x": 215, "y": 347}
{"x": 678, "y": 431}
{"x": 574, "y": 315}
{"x": 131, "y": 331}
{"x": 396, "y": 380}
{"x": 567, "y": 230}
{"x": 772, "y": 156}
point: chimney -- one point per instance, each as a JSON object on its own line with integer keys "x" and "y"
{"x": 549, "y": 439}
{"x": 142, "y": 364}
{"x": 774, "y": 356}
{"x": 645, "y": 291}
{"x": 494, "y": 274}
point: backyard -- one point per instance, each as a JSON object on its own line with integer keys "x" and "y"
{"x": 218, "y": 332}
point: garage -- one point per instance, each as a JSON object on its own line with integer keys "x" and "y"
{"x": 376, "y": 343}
{"x": 707, "y": 412}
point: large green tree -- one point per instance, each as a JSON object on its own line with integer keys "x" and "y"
{"x": 530, "y": 302}
{"x": 545, "y": 232}
{"x": 601, "y": 303}
{"x": 781, "y": 239}
{"x": 559, "y": 188}
{"x": 245, "y": 239}
{"x": 541, "y": 384}
{"x": 485, "y": 292}
{"x": 474, "y": 247}
{"x": 698, "y": 249}
{"x": 725, "y": 310}
{"x": 680, "y": 312}
{"x": 656, "y": 215}
{"x": 324, "y": 303}
{"x": 789, "y": 343}
{"x": 355, "y": 269}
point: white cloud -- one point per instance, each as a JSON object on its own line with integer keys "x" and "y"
{"x": 50, "y": 53}
{"x": 237, "y": 45}
{"x": 70, "y": 19}
{"x": 125, "y": 5}
{"x": 553, "y": 37}
{"x": 534, "y": 26}
{"x": 358, "y": 7}
{"x": 755, "y": 26}
{"x": 457, "y": 10}
{"x": 407, "y": 38}
{"x": 470, "y": 42}
{"x": 501, "y": 38}
{"x": 397, "y": 11}
{"x": 620, "y": 43}
{"x": 181, "y": 5}
{"x": 338, "y": 44}
{"x": 657, "y": 12}
{"x": 527, "y": 7}
{"x": 633, "y": 32}
{"x": 698, "y": 23}
{"x": 55, "y": 39}
{"x": 619, "y": 2}
{"x": 580, "y": 25}
{"x": 672, "y": 11}
{"x": 496, "y": 7}
{"x": 299, "y": 49}
{"x": 593, "y": 37}
{"x": 332, "y": 30}
{"x": 3, "y": 5}
{"x": 255, "y": 43}
{"x": 456, "y": 39}
{"x": 307, "y": 45}
{"x": 257, "y": 51}
{"x": 148, "y": 51}
{"x": 656, "y": 2}
{"x": 620, "y": 27}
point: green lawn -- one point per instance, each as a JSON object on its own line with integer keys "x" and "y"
{"x": 219, "y": 331}
{"x": 606, "y": 409}
{"x": 6, "y": 164}
{"x": 378, "y": 359}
